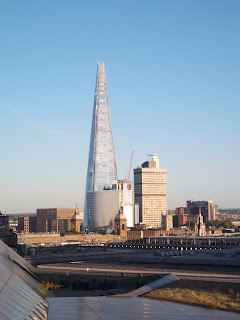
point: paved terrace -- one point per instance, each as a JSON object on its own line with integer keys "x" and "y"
{"x": 107, "y": 308}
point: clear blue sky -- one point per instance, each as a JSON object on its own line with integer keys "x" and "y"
{"x": 173, "y": 78}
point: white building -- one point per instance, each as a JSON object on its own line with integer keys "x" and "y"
{"x": 126, "y": 199}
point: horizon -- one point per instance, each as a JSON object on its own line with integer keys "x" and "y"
{"x": 27, "y": 213}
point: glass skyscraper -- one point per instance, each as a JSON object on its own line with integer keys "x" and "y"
{"x": 102, "y": 169}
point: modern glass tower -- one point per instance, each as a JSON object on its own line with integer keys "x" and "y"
{"x": 102, "y": 169}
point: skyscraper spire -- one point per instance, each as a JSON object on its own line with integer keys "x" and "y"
{"x": 102, "y": 169}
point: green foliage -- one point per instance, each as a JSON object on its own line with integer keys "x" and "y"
{"x": 219, "y": 223}
{"x": 47, "y": 285}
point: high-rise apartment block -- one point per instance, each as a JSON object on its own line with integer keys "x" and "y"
{"x": 150, "y": 192}
{"x": 102, "y": 169}
{"x": 54, "y": 219}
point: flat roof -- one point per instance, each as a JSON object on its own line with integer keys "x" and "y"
{"x": 108, "y": 308}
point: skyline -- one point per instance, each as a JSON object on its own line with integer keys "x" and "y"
{"x": 173, "y": 85}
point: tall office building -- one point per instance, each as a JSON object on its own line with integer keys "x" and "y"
{"x": 150, "y": 192}
{"x": 102, "y": 169}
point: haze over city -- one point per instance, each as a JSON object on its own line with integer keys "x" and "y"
{"x": 173, "y": 83}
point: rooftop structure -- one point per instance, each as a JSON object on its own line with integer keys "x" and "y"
{"x": 22, "y": 297}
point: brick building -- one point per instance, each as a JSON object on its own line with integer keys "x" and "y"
{"x": 27, "y": 224}
{"x": 54, "y": 219}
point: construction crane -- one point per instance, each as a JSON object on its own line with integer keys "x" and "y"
{"x": 129, "y": 172}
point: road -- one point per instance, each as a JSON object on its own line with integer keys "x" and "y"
{"x": 184, "y": 275}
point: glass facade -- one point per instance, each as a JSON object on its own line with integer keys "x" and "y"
{"x": 102, "y": 169}
{"x": 21, "y": 296}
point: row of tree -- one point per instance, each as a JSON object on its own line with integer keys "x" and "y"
{"x": 227, "y": 223}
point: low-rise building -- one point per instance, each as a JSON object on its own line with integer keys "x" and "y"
{"x": 27, "y": 224}
{"x": 54, "y": 219}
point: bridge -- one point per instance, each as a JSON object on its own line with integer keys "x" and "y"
{"x": 180, "y": 243}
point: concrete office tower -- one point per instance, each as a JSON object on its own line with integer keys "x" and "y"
{"x": 126, "y": 199}
{"x": 102, "y": 169}
{"x": 150, "y": 192}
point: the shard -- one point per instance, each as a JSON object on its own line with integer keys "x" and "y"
{"x": 102, "y": 169}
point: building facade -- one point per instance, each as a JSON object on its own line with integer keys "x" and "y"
{"x": 126, "y": 199}
{"x": 54, "y": 219}
{"x": 181, "y": 210}
{"x": 102, "y": 169}
{"x": 27, "y": 224}
{"x": 76, "y": 221}
{"x": 200, "y": 227}
{"x": 7, "y": 235}
{"x": 4, "y": 222}
{"x": 120, "y": 225}
{"x": 103, "y": 206}
{"x": 150, "y": 192}
{"x": 167, "y": 221}
{"x": 208, "y": 210}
